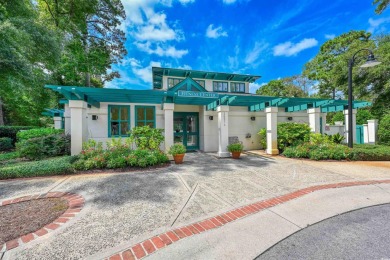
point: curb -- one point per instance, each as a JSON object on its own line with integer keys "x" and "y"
{"x": 149, "y": 246}
{"x": 75, "y": 205}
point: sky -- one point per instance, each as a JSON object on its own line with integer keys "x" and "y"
{"x": 272, "y": 39}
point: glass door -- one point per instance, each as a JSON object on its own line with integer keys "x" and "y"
{"x": 186, "y": 129}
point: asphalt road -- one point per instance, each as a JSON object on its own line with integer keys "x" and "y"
{"x": 360, "y": 234}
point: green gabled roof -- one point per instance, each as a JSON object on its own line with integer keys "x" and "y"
{"x": 158, "y": 74}
{"x": 188, "y": 84}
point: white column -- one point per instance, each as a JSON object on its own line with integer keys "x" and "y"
{"x": 365, "y": 133}
{"x": 79, "y": 129}
{"x": 353, "y": 124}
{"x": 314, "y": 119}
{"x": 67, "y": 119}
{"x": 57, "y": 122}
{"x": 223, "y": 131}
{"x": 372, "y": 131}
{"x": 272, "y": 133}
{"x": 323, "y": 115}
{"x": 168, "y": 125}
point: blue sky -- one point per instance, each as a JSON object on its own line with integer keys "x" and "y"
{"x": 273, "y": 39}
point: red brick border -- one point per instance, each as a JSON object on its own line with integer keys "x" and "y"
{"x": 149, "y": 246}
{"x": 75, "y": 204}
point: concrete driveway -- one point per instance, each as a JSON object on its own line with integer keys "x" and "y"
{"x": 126, "y": 208}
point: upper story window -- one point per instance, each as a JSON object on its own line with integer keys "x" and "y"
{"x": 118, "y": 120}
{"x": 220, "y": 86}
{"x": 174, "y": 81}
{"x": 200, "y": 82}
{"x": 237, "y": 87}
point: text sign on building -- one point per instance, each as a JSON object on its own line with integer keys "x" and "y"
{"x": 183, "y": 93}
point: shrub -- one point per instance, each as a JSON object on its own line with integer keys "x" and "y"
{"x": 5, "y": 144}
{"x": 8, "y": 156}
{"x": 235, "y": 147}
{"x": 263, "y": 138}
{"x": 52, "y": 166}
{"x": 11, "y": 131}
{"x": 327, "y": 151}
{"x": 366, "y": 152}
{"x": 37, "y": 132}
{"x": 338, "y": 116}
{"x": 290, "y": 134}
{"x": 45, "y": 146}
{"x": 362, "y": 116}
{"x": 338, "y": 138}
{"x": 384, "y": 130}
{"x": 177, "y": 149}
{"x": 145, "y": 137}
{"x": 317, "y": 139}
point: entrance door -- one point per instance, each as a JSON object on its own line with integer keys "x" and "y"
{"x": 186, "y": 129}
{"x": 359, "y": 134}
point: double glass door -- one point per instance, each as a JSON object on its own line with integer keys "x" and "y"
{"x": 186, "y": 129}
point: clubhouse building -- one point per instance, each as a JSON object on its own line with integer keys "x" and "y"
{"x": 202, "y": 110}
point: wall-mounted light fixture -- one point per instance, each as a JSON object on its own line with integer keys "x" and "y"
{"x": 95, "y": 117}
{"x": 253, "y": 118}
{"x": 211, "y": 117}
{"x": 248, "y": 135}
{"x": 289, "y": 118}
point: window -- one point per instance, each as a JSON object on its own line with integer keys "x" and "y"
{"x": 237, "y": 87}
{"x": 200, "y": 82}
{"x": 220, "y": 86}
{"x": 145, "y": 115}
{"x": 173, "y": 82}
{"x": 118, "y": 120}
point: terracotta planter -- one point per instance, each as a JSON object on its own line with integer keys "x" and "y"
{"x": 236, "y": 155}
{"x": 178, "y": 158}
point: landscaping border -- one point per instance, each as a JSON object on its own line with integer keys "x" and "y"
{"x": 75, "y": 205}
{"x": 149, "y": 246}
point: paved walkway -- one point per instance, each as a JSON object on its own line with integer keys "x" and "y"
{"x": 126, "y": 208}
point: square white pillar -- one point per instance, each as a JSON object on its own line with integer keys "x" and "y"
{"x": 272, "y": 130}
{"x": 365, "y": 133}
{"x": 79, "y": 129}
{"x": 372, "y": 126}
{"x": 57, "y": 122}
{"x": 314, "y": 119}
{"x": 168, "y": 125}
{"x": 353, "y": 124}
{"x": 223, "y": 131}
{"x": 67, "y": 119}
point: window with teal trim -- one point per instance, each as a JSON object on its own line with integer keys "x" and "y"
{"x": 237, "y": 87}
{"x": 219, "y": 86}
{"x": 145, "y": 115}
{"x": 118, "y": 120}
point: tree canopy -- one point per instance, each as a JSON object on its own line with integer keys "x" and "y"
{"x": 287, "y": 87}
{"x": 381, "y": 5}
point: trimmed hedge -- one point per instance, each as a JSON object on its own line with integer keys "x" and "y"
{"x": 384, "y": 130}
{"x": 11, "y": 131}
{"x": 45, "y": 146}
{"x": 52, "y": 166}
{"x": 366, "y": 152}
{"x": 8, "y": 156}
{"x": 5, "y": 144}
{"x": 37, "y": 132}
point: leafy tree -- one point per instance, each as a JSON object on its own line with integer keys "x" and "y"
{"x": 281, "y": 88}
{"x": 381, "y": 5}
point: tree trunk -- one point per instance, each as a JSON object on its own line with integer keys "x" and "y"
{"x": 1, "y": 113}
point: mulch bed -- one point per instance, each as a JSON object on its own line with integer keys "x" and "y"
{"x": 21, "y": 218}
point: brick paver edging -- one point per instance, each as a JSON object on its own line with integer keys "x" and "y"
{"x": 160, "y": 241}
{"x": 75, "y": 204}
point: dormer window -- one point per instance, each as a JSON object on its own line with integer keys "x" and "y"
{"x": 237, "y": 87}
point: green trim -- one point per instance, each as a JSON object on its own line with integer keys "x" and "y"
{"x": 187, "y": 84}
{"x": 53, "y": 112}
{"x": 145, "y": 121}
{"x": 185, "y": 134}
{"x": 119, "y": 120}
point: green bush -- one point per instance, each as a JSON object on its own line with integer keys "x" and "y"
{"x": 384, "y": 130}
{"x": 45, "y": 146}
{"x": 145, "y": 137}
{"x": 177, "y": 149}
{"x": 338, "y": 116}
{"x": 362, "y": 116}
{"x": 290, "y": 134}
{"x": 366, "y": 152}
{"x": 8, "y": 156}
{"x": 5, "y": 144}
{"x": 52, "y": 166}
{"x": 235, "y": 147}
{"x": 317, "y": 139}
{"x": 338, "y": 138}
{"x": 37, "y": 132}
{"x": 263, "y": 138}
{"x": 11, "y": 131}
{"x": 327, "y": 151}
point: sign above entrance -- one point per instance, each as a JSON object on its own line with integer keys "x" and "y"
{"x": 183, "y": 93}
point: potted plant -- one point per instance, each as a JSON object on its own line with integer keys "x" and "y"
{"x": 235, "y": 149}
{"x": 177, "y": 151}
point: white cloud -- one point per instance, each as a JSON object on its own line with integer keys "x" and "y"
{"x": 185, "y": 67}
{"x": 145, "y": 73}
{"x": 229, "y": 2}
{"x": 215, "y": 32}
{"x": 330, "y": 36}
{"x": 291, "y": 49}
{"x": 254, "y": 53}
{"x": 184, "y": 2}
{"x": 255, "y": 86}
{"x": 161, "y": 49}
{"x": 376, "y": 24}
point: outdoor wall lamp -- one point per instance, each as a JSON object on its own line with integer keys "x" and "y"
{"x": 371, "y": 62}
{"x": 211, "y": 117}
{"x": 95, "y": 117}
{"x": 253, "y": 118}
{"x": 289, "y": 118}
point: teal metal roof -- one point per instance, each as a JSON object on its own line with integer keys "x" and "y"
{"x": 93, "y": 96}
{"x": 158, "y": 74}
{"x": 52, "y": 112}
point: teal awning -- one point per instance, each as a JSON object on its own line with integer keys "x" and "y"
{"x": 94, "y": 96}
{"x": 53, "y": 112}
